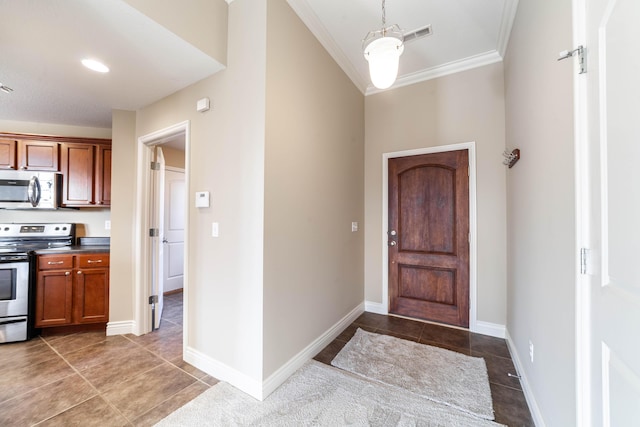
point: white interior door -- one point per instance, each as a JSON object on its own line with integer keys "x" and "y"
{"x": 157, "y": 222}
{"x": 612, "y": 209}
{"x": 174, "y": 220}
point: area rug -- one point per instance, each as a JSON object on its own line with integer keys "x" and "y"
{"x": 319, "y": 395}
{"x": 437, "y": 374}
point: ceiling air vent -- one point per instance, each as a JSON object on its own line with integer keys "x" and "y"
{"x": 418, "y": 34}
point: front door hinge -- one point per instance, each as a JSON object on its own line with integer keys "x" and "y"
{"x": 155, "y": 166}
{"x": 154, "y": 232}
{"x": 584, "y": 254}
{"x": 581, "y": 52}
{"x": 153, "y": 299}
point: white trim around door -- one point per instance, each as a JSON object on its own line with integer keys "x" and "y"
{"x": 474, "y": 325}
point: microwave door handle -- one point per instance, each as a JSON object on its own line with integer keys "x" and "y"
{"x": 34, "y": 191}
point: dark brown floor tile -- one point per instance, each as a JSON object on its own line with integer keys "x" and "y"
{"x": 370, "y": 319}
{"x": 329, "y": 352}
{"x": 189, "y": 369}
{"x": 178, "y": 400}
{"x": 69, "y": 343}
{"x": 499, "y": 369}
{"x": 456, "y": 338}
{"x": 121, "y": 368}
{"x": 510, "y": 407}
{"x": 44, "y": 402}
{"x": 27, "y": 378}
{"x": 398, "y": 325}
{"x": 464, "y": 351}
{"x": 92, "y": 413}
{"x": 489, "y": 345}
{"x": 99, "y": 353}
{"x": 138, "y": 395}
{"x": 399, "y": 335}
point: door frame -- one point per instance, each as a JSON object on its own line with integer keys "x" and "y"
{"x": 142, "y": 246}
{"x": 471, "y": 146}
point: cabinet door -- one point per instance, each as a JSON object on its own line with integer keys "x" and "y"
{"x": 38, "y": 155}
{"x": 103, "y": 175}
{"x": 91, "y": 295}
{"x": 78, "y": 172}
{"x": 8, "y": 153}
{"x": 54, "y": 298}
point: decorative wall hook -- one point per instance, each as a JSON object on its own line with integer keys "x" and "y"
{"x": 510, "y": 158}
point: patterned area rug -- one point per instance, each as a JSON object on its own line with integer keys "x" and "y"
{"x": 437, "y": 374}
{"x": 319, "y": 395}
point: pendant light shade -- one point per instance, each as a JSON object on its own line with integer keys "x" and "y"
{"x": 382, "y": 49}
{"x": 383, "y": 52}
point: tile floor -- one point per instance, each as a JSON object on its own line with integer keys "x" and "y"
{"x": 87, "y": 379}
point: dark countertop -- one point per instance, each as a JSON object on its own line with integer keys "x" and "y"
{"x": 76, "y": 249}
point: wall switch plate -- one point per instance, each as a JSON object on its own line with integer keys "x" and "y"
{"x": 203, "y": 105}
{"x": 107, "y": 225}
{"x": 354, "y": 226}
{"x": 215, "y": 230}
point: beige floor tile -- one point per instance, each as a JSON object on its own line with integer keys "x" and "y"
{"x": 121, "y": 368}
{"x": 167, "y": 407}
{"x": 138, "y": 395}
{"x": 100, "y": 353}
{"x": 191, "y": 370}
{"x": 69, "y": 343}
{"x": 29, "y": 353}
{"x": 92, "y": 413}
{"x": 27, "y": 378}
{"x": 46, "y": 401}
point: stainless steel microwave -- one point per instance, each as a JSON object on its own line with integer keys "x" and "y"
{"x": 30, "y": 190}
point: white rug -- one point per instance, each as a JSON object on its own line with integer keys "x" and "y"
{"x": 319, "y": 395}
{"x": 437, "y": 374}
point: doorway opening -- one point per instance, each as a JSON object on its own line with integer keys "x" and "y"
{"x": 472, "y": 218}
{"x": 162, "y": 256}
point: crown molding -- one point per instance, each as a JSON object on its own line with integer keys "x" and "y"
{"x": 469, "y": 63}
{"x": 508, "y": 17}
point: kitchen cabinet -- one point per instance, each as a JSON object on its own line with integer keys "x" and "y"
{"x": 8, "y": 148}
{"x": 72, "y": 289}
{"x": 86, "y": 170}
{"x": 29, "y": 155}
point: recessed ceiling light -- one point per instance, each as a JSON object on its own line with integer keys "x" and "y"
{"x": 94, "y": 65}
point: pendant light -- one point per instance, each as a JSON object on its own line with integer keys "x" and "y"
{"x": 382, "y": 48}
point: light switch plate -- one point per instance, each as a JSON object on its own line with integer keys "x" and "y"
{"x": 354, "y": 226}
{"x": 107, "y": 225}
{"x": 215, "y": 230}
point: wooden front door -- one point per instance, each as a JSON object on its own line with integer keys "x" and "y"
{"x": 428, "y": 237}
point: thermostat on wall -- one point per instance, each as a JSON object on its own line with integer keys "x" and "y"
{"x": 202, "y": 199}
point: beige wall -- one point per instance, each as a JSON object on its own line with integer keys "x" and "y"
{"x": 90, "y": 222}
{"x": 541, "y": 195}
{"x": 464, "y": 107}
{"x": 225, "y": 157}
{"x": 203, "y": 23}
{"x": 122, "y": 260}
{"x": 314, "y": 174}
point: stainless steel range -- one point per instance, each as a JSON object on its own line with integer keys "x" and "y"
{"x": 17, "y": 273}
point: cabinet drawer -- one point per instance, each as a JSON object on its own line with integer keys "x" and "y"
{"x": 55, "y": 262}
{"x": 93, "y": 260}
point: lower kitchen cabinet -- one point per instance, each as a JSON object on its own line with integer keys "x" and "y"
{"x": 72, "y": 289}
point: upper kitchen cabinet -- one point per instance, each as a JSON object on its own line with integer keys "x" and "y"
{"x": 38, "y": 155}
{"x": 8, "y": 148}
{"x": 86, "y": 170}
{"x": 29, "y": 155}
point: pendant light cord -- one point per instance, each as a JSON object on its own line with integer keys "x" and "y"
{"x": 384, "y": 14}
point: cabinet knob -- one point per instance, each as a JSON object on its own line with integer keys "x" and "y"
{"x": 79, "y": 272}
{"x": 24, "y": 168}
{"x": 66, "y": 273}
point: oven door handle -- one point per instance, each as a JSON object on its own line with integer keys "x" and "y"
{"x": 8, "y": 322}
{"x": 34, "y": 192}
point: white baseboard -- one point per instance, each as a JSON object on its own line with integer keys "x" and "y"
{"x": 121, "y": 328}
{"x": 223, "y": 372}
{"x": 260, "y": 390}
{"x": 487, "y": 328}
{"x": 528, "y": 394}
{"x": 285, "y": 371}
{"x": 375, "y": 307}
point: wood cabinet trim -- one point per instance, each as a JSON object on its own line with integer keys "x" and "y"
{"x": 54, "y": 138}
